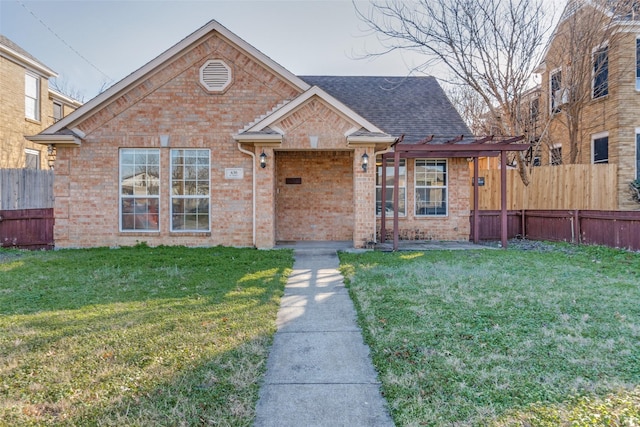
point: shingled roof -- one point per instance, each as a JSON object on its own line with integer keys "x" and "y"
{"x": 413, "y": 106}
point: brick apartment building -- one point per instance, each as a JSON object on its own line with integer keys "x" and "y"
{"x": 27, "y": 106}
{"x": 212, "y": 142}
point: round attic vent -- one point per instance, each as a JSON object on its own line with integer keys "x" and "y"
{"x": 215, "y": 75}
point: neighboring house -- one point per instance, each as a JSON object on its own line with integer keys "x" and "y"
{"x": 27, "y": 106}
{"x": 212, "y": 142}
{"x": 591, "y": 84}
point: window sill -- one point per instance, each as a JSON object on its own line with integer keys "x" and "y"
{"x": 35, "y": 122}
{"x": 190, "y": 233}
{"x": 139, "y": 233}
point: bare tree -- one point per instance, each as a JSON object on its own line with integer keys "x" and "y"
{"x": 492, "y": 46}
{"x": 577, "y": 62}
{"x": 61, "y": 85}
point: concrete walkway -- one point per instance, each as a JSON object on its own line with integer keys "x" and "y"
{"x": 319, "y": 372}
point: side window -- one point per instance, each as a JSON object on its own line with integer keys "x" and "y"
{"x": 600, "y": 143}
{"x": 555, "y": 155}
{"x": 31, "y": 96}
{"x": 32, "y": 159}
{"x": 431, "y": 187}
{"x": 558, "y": 95}
{"x": 139, "y": 189}
{"x": 402, "y": 188}
{"x": 600, "y": 72}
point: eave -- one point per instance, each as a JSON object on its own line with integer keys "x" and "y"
{"x": 56, "y": 139}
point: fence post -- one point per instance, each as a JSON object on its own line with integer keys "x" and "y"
{"x": 576, "y": 227}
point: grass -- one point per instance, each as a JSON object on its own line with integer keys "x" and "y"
{"x": 503, "y": 337}
{"x": 136, "y": 336}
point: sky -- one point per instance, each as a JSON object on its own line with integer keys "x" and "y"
{"x": 92, "y": 44}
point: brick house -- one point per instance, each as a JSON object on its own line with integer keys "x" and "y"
{"x": 598, "y": 86}
{"x": 27, "y": 106}
{"x": 212, "y": 142}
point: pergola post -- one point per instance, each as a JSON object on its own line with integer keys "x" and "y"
{"x": 503, "y": 198}
{"x": 476, "y": 204}
{"x": 396, "y": 198}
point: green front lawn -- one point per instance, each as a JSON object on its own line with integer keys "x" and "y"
{"x": 136, "y": 336}
{"x": 542, "y": 337}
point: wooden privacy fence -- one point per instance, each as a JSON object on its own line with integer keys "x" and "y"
{"x": 584, "y": 187}
{"x": 26, "y": 208}
{"x": 26, "y": 189}
{"x": 617, "y": 229}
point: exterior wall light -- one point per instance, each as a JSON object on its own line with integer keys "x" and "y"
{"x": 365, "y": 162}
{"x": 263, "y": 160}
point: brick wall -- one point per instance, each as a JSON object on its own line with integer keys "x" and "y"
{"x": 321, "y": 206}
{"x": 14, "y": 126}
{"x": 454, "y": 226}
{"x": 170, "y": 102}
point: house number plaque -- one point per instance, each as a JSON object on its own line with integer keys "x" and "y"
{"x": 233, "y": 173}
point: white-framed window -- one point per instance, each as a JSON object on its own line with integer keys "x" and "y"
{"x": 600, "y": 82}
{"x": 31, "y": 159}
{"x": 430, "y": 187}
{"x": 139, "y": 189}
{"x": 555, "y": 155}
{"x": 557, "y": 93}
{"x": 600, "y": 148}
{"x": 190, "y": 194}
{"x": 57, "y": 111}
{"x": 402, "y": 187}
{"x": 638, "y": 63}
{"x": 31, "y": 96}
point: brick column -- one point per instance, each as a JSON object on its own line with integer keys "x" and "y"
{"x": 364, "y": 194}
{"x": 265, "y": 199}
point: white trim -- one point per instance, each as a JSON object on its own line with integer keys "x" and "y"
{"x": 173, "y": 197}
{"x": 55, "y": 95}
{"x": 158, "y": 196}
{"x": 123, "y": 85}
{"x": 54, "y": 139}
{"x": 35, "y": 66}
{"x": 595, "y": 136}
{"x": 445, "y": 187}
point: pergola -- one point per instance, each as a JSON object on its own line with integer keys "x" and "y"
{"x": 489, "y": 146}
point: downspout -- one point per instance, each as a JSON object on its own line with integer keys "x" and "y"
{"x": 375, "y": 156}
{"x": 253, "y": 191}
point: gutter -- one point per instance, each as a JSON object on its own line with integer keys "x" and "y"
{"x": 253, "y": 191}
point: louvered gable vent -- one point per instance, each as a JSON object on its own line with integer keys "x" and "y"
{"x": 215, "y": 75}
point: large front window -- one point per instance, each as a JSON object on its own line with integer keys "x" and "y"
{"x": 190, "y": 190}
{"x": 431, "y": 187}
{"x": 402, "y": 188}
{"x": 139, "y": 189}
{"x": 31, "y": 96}
{"x": 600, "y": 72}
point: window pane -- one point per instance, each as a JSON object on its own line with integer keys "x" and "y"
{"x": 190, "y": 190}
{"x": 389, "y": 201}
{"x": 431, "y": 187}
{"x": 600, "y": 73}
{"x": 601, "y": 150}
{"x": 139, "y": 189}
{"x": 402, "y": 182}
{"x": 32, "y": 160}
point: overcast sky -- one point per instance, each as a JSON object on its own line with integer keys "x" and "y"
{"x": 91, "y": 42}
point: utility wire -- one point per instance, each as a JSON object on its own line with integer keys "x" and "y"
{"x": 63, "y": 41}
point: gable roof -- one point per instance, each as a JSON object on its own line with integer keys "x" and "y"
{"x": 138, "y": 75}
{"x": 413, "y": 106}
{"x": 262, "y": 125}
{"x": 14, "y": 52}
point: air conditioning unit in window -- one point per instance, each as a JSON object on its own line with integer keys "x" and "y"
{"x": 561, "y": 96}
